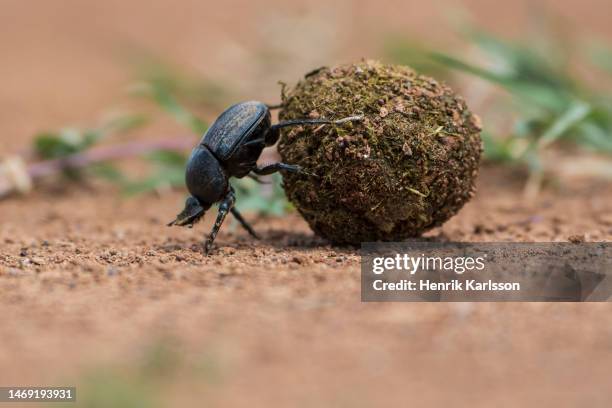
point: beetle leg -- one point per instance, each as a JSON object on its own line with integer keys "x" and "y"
{"x": 274, "y": 132}
{"x": 257, "y": 179}
{"x": 315, "y": 71}
{"x": 299, "y": 122}
{"x": 273, "y": 168}
{"x": 225, "y": 206}
{"x": 244, "y": 223}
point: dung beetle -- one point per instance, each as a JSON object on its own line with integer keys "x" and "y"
{"x": 230, "y": 148}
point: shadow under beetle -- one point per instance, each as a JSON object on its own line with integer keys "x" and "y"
{"x": 230, "y": 148}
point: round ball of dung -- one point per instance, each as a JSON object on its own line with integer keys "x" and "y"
{"x": 408, "y": 166}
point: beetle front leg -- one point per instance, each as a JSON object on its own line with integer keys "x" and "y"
{"x": 226, "y": 205}
{"x": 300, "y": 122}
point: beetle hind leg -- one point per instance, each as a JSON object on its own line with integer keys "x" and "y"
{"x": 273, "y": 133}
{"x": 300, "y": 122}
{"x": 275, "y": 167}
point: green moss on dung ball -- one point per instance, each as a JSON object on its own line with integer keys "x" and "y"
{"x": 407, "y": 167}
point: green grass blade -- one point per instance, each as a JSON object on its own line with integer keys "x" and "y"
{"x": 572, "y": 116}
{"x": 169, "y": 104}
{"x": 457, "y": 64}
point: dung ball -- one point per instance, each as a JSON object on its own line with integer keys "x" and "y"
{"x": 407, "y": 167}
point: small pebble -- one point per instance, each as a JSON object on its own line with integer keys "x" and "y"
{"x": 38, "y": 261}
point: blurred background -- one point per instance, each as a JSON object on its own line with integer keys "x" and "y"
{"x": 530, "y": 69}
{"x": 116, "y": 79}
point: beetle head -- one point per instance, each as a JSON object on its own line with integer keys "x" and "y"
{"x": 191, "y": 214}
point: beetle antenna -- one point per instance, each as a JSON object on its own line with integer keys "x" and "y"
{"x": 299, "y": 122}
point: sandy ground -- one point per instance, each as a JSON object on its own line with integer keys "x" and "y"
{"x": 96, "y": 291}
{"x": 89, "y": 281}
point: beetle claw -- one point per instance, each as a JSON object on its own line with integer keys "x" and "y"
{"x": 303, "y": 171}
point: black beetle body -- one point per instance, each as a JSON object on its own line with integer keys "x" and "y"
{"x": 238, "y": 125}
{"x": 206, "y": 180}
{"x": 230, "y": 148}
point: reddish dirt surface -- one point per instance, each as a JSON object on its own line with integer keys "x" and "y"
{"x": 88, "y": 280}
{"x": 92, "y": 284}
